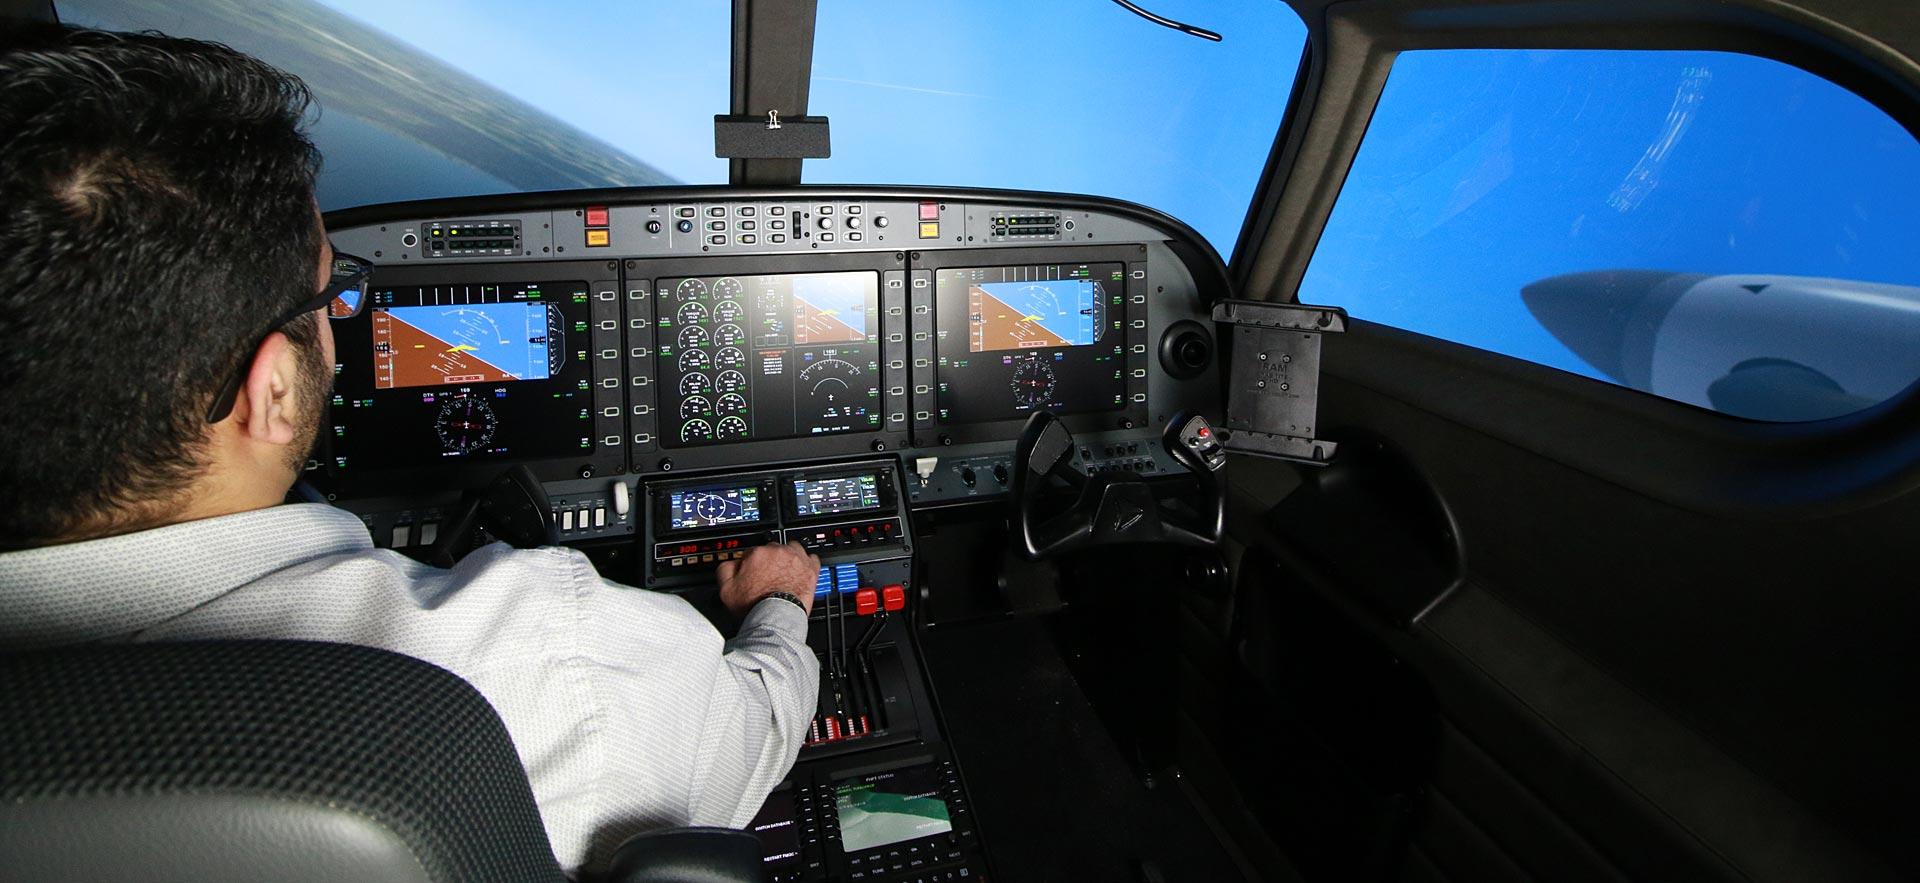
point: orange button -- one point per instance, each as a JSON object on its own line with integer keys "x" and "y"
{"x": 929, "y": 229}
{"x": 598, "y": 238}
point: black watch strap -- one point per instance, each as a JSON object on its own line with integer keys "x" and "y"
{"x": 788, "y": 597}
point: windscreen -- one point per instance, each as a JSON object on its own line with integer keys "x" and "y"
{"x": 1081, "y": 97}
{"x": 429, "y": 100}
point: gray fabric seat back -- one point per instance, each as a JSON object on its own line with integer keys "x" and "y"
{"x": 257, "y": 760}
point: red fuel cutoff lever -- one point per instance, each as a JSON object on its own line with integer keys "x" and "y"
{"x": 866, "y": 602}
{"x": 893, "y": 597}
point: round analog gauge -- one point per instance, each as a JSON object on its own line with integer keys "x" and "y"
{"x": 465, "y": 423}
{"x": 696, "y": 430}
{"x": 729, "y": 288}
{"x": 1099, "y": 309}
{"x": 695, "y": 406}
{"x": 728, "y": 335}
{"x": 727, "y": 311}
{"x": 556, "y": 340}
{"x": 695, "y": 360}
{"x": 732, "y": 427}
{"x": 690, "y": 290}
{"x": 1033, "y": 382}
{"x": 695, "y": 384}
{"x": 693, "y": 336}
{"x": 732, "y": 381}
{"x": 729, "y": 357}
{"x": 692, "y": 313}
{"x": 733, "y": 403}
{"x": 831, "y": 383}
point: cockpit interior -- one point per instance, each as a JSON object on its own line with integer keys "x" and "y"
{"x": 1237, "y": 535}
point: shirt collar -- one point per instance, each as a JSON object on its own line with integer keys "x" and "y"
{"x": 116, "y": 586}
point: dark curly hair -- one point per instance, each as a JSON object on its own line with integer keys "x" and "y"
{"x": 156, "y": 214}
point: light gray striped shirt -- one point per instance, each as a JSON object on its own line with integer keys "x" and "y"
{"x": 628, "y": 709}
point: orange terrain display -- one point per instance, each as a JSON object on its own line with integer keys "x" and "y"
{"x": 995, "y": 325}
{"x": 405, "y": 355}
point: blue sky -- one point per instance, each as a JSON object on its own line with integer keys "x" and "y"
{"x": 1077, "y": 95}
{"x": 1484, "y": 170}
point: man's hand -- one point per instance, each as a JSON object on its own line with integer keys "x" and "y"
{"x": 784, "y": 567}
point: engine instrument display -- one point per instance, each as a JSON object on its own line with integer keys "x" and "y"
{"x": 450, "y": 372}
{"x": 1011, "y": 340}
{"x": 768, "y": 357}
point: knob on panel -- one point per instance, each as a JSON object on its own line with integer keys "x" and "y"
{"x": 1186, "y": 349}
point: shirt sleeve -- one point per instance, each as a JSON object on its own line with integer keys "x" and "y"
{"x": 779, "y": 681}
{"x": 693, "y": 730}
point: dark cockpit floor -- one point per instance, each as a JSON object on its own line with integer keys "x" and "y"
{"x": 1053, "y": 794}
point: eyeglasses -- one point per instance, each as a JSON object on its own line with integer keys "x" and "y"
{"x": 344, "y": 296}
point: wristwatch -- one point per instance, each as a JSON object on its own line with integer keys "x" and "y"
{"x": 788, "y": 597}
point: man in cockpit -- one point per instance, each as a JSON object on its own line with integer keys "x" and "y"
{"x": 164, "y": 292}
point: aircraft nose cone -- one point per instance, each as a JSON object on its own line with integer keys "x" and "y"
{"x": 1608, "y": 317}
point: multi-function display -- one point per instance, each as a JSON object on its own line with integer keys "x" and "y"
{"x": 890, "y": 807}
{"x": 767, "y": 357}
{"x": 1012, "y": 340}
{"x": 832, "y": 496}
{"x": 447, "y": 372}
{"x": 713, "y": 506}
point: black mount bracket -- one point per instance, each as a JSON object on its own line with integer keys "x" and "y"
{"x": 771, "y": 137}
{"x": 1273, "y": 377}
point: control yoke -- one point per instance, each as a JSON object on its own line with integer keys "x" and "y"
{"x": 1113, "y": 507}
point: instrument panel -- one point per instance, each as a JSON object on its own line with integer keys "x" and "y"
{"x": 617, "y": 335}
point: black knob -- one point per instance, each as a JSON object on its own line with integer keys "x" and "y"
{"x": 1000, "y": 472}
{"x": 966, "y": 476}
{"x": 666, "y": 464}
{"x": 879, "y": 445}
{"x": 683, "y": 225}
{"x": 946, "y": 439}
{"x": 653, "y": 227}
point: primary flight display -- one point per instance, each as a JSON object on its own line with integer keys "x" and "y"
{"x": 463, "y": 371}
{"x": 1019, "y": 338}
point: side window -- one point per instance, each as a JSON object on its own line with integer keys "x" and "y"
{"x": 1718, "y": 229}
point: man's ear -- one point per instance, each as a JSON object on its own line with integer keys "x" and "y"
{"x": 265, "y": 409}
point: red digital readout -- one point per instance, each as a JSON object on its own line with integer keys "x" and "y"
{"x": 709, "y": 546}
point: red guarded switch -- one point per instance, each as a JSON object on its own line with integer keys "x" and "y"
{"x": 596, "y": 216}
{"x": 893, "y": 597}
{"x": 866, "y": 602}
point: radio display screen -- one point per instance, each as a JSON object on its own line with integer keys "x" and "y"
{"x": 689, "y": 508}
{"x": 882, "y": 809}
{"x": 430, "y": 374}
{"x": 1012, "y": 340}
{"x": 833, "y": 496}
{"x": 766, "y": 357}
